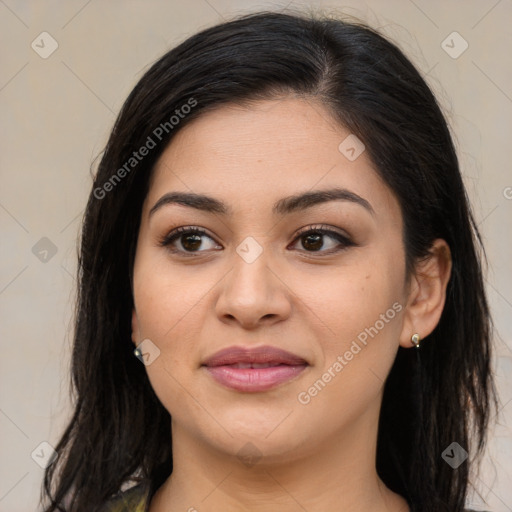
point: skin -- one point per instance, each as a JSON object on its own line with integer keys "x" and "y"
{"x": 318, "y": 456}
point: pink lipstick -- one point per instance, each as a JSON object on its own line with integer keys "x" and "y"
{"x": 255, "y": 369}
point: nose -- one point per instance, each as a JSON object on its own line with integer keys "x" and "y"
{"x": 253, "y": 293}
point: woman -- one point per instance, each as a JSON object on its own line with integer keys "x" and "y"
{"x": 278, "y": 230}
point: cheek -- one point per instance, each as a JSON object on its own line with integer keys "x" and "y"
{"x": 357, "y": 358}
{"x": 355, "y": 297}
{"x": 174, "y": 326}
{"x": 363, "y": 309}
{"x": 169, "y": 313}
{"x": 166, "y": 295}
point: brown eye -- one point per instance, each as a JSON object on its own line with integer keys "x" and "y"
{"x": 191, "y": 242}
{"x": 313, "y": 240}
{"x": 190, "y": 238}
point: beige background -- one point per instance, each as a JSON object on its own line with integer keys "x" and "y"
{"x": 57, "y": 113}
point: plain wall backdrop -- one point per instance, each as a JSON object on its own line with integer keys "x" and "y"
{"x": 68, "y": 66}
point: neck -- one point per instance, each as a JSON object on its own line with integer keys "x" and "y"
{"x": 338, "y": 474}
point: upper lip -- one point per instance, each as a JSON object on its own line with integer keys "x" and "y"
{"x": 263, "y": 354}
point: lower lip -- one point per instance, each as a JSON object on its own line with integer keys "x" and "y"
{"x": 254, "y": 379}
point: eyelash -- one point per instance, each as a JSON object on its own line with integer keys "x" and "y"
{"x": 169, "y": 238}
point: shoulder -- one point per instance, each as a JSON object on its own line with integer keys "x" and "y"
{"x": 131, "y": 500}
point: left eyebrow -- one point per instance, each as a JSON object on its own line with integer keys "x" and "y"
{"x": 283, "y": 206}
{"x": 312, "y": 198}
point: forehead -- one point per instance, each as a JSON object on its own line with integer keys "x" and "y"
{"x": 255, "y": 154}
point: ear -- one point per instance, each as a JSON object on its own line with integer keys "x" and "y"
{"x": 135, "y": 327}
{"x": 427, "y": 293}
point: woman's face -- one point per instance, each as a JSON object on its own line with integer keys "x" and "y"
{"x": 257, "y": 278}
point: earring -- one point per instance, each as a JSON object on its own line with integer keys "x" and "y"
{"x": 415, "y": 338}
{"x": 137, "y": 353}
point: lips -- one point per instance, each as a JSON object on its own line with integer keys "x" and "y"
{"x": 267, "y": 355}
{"x": 255, "y": 369}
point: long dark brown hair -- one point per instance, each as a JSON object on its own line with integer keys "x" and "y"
{"x": 119, "y": 431}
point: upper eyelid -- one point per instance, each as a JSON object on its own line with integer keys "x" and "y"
{"x": 313, "y": 227}
{"x": 322, "y": 227}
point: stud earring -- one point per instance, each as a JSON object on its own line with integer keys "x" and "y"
{"x": 415, "y": 338}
